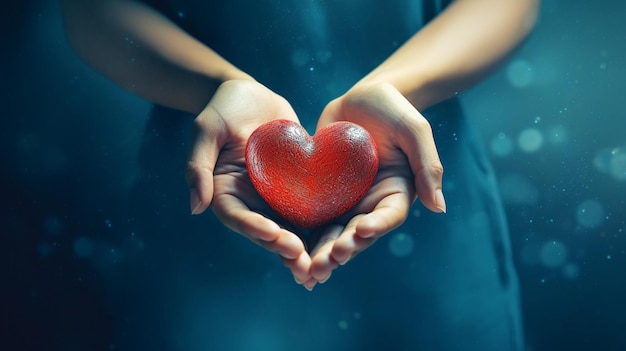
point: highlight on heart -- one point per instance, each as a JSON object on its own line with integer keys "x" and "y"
{"x": 310, "y": 181}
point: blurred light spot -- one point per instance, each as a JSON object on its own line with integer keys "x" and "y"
{"x": 83, "y": 247}
{"x": 323, "y": 55}
{"x": 530, "y": 140}
{"x": 28, "y": 143}
{"x": 401, "y": 244}
{"x": 520, "y": 73}
{"x": 343, "y": 324}
{"x": 517, "y": 190}
{"x": 590, "y": 213}
{"x": 52, "y": 225}
{"x": 553, "y": 254}
{"x": 258, "y": 336}
{"x": 612, "y": 162}
{"x": 299, "y": 57}
{"x": 618, "y": 163}
{"x": 416, "y": 212}
{"x": 602, "y": 161}
{"x": 115, "y": 255}
{"x": 135, "y": 242}
{"x": 557, "y": 134}
{"x": 501, "y": 145}
{"x": 45, "y": 249}
{"x": 105, "y": 256}
{"x": 571, "y": 271}
{"x": 108, "y": 223}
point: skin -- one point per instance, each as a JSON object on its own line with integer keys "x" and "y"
{"x": 456, "y": 50}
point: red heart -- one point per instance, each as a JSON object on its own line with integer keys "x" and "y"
{"x": 308, "y": 180}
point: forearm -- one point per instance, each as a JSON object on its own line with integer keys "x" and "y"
{"x": 456, "y": 50}
{"x": 146, "y": 53}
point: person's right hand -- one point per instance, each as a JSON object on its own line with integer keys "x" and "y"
{"x": 216, "y": 169}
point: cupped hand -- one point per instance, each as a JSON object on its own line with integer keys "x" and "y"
{"x": 216, "y": 169}
{"x": 409, "y": 167}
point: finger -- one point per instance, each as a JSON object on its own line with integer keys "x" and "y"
{"x": 329, "y": 114}
{"x": 259, "y": 229}
{"x": 205, "y": 148}
{"x": 388, "y": 214}
{"x": 417, "y": 142}
{"x": 322, "y": 263}
{"x": 299, "y": 267}
{"x": 349, "y": 244}
{"x": 286, "y": 245}
{"x": 310, "y": 284}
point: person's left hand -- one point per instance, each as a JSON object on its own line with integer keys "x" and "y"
{"x": 409, "y": 166}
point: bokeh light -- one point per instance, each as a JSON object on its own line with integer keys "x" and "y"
{"x": 518, "y": 190}
{"x": 570, "y": 270}
{"x": 300, "y": 57}
{"x": 618, "y": 163}
{"x": 52, "y": 225}
{"x": 45, "y": 248}
{"x": 520, "y": 73}
{"x": 343, "y": 324}
{"x": 611, "y": 161}
{"x": 557, "y": 134}
{"x": 530, "y": 140}
{"x": 83, "y": 247}
{"x": 401, "y": 244}
{"x": 602, "y": 161}
{"x": 590, "y": 213}
{"x": 501, "y": 145}
{"x": 553, "y": 254}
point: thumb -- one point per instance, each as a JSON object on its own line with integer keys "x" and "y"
{"x": 205, "y": 148}
{"x": 418, "y": 144}
{"x": 329, "y": 115}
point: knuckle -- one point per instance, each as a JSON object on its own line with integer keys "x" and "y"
{"x": 436, "y": 168}
{"x": 420, "y": 126}
{"x": 192, "y": 171}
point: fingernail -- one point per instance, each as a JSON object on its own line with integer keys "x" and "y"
{"x": 309, "y": 285}
{"x": 194, "y": 201}
{"x": 440, "y": 202}
{"x": 326, "y": 279}
{"x": 343, "y": 262}
{"x": 297, "y": 281}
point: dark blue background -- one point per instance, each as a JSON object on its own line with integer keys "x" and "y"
{"x": 552, "y": 118}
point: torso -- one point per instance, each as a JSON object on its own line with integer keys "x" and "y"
{"x": 309, "y": 51}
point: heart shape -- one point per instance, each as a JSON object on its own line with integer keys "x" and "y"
{"x": 308, "y": 180}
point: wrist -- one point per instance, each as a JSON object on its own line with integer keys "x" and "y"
{"x": 207, "y": 84}
{"x": 415, "y": 87}
{"x": 234, "y": 74}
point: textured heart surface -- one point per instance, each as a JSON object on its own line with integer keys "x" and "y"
{"x": 308, "y": 180}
